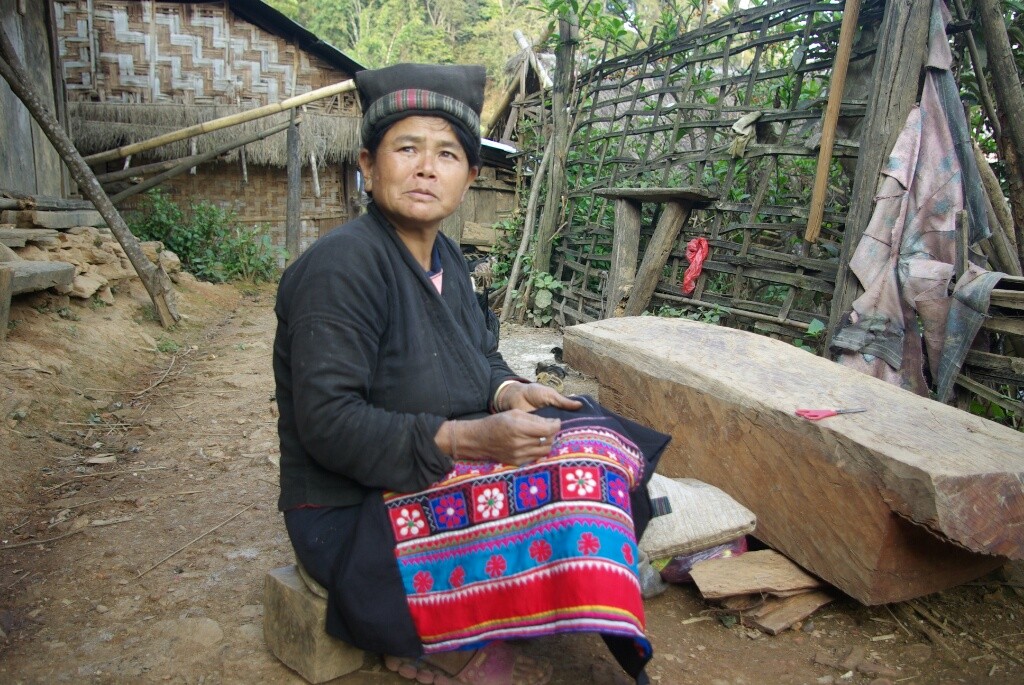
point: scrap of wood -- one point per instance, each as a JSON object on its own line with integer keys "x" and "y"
{"x": 779, "y": 614}
{"x": 761, "y": 572}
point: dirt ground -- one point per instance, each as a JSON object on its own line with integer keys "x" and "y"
{"x": 138, "y": 521}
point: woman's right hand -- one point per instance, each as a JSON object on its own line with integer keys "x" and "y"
{"x": 513, "y": 437}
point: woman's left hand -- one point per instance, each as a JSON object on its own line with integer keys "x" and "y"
{"x": 531, "y": 396}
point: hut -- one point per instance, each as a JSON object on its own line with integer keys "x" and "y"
{"x": 135, "y": 70}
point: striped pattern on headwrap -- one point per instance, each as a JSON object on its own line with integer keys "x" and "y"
{"x": 411, "y": 101}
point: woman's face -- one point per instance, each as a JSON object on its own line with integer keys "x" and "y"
{"x": 419, "y": 173}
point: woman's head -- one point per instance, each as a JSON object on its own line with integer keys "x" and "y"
{"x": 454, "y": 93}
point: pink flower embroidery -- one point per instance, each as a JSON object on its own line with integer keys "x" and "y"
{"x": 627, "y": 553}
{"x": 496, "y": 566}
{"x": 457, "y": 577}
{"x": 423, "y": 581}
{"x": 588, "y": 544}
{"x": 540, "y": 551}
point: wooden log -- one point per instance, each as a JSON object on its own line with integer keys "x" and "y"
{"x": 14, "y": 200}
{"x": 908, "y": 498}
{"x": 764, "y": 572}
{"x": 293, "y": 201}
{"x": 6, "y": 291}
{"x": 779, "y": 614}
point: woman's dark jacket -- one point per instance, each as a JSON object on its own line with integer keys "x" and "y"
{"x": 369, "y": 360}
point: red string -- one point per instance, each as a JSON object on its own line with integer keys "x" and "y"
{"x": 696, "y": 252}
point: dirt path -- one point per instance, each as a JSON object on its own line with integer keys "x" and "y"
{"x": 138, "y": 521}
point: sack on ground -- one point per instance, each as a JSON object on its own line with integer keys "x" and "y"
{"x": 690, "y": 516}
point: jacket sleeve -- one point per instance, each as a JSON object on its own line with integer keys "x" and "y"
{"x": 337, "y": 316}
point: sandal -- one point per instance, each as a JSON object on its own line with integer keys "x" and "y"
{"x": 496, "y": 664}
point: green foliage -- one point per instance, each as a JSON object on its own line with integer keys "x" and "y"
{"x": 710, "y": 314}
{"x": 813, "y": 338}
{"x": 208, "y": 239}
{"x": 168, "y": 346}
{"x": 544, "y": 287}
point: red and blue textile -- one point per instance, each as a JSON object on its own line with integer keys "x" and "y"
{"x": 495, "y": 552}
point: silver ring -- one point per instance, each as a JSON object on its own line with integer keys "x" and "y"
{"x": 542, "y": 440}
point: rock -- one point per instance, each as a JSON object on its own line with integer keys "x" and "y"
{"x": 7, "y": 254}
{"x": 105, "y": 295}
{"x": 170, "y": 262}
{"x": 152, "y": 250}
{"x": 33, "y": 253}
{"x": 293, "y": 629}
{"x": 85, "y": 285}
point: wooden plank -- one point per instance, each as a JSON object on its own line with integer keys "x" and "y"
{"x": 478, "y": 234}
{"x": 779, "y": 614}
{"x": 762, "y": 572}
{"x": 6, "y": 291}
{"x": 11, "y": 199}
{"x": 57, "y": 219}
{"x": 1005, "y": 324}
{"x": 19, "y": 237}
{"x": 909, "y": 498}
{"x": 28, "y": 276}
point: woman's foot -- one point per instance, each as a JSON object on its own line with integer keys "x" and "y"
{"x": 496, "y": 664}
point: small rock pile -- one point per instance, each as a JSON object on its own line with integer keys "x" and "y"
{"x": 100, "y": 261}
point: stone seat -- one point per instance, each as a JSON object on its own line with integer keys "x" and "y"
{"x": 295, "y": 610}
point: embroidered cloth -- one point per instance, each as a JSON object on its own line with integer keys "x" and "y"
{"x": 494, "y": 552}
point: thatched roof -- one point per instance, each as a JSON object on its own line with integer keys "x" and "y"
{"x": 101, "y": 126}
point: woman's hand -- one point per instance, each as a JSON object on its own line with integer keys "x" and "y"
{"x": 513, "y": 437}
{"x": 531, "y": 396}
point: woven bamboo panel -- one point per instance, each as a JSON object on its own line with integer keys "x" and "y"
{"x": 192, "y": 53}
{"x": 664, "y": 117}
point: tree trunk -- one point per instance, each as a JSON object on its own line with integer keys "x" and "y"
{"x": 153, "y": 277}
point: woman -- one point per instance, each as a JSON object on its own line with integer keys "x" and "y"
{"x": 386, "y": 373}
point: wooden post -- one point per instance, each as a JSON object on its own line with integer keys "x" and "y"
{"x": 902, "y": 45}
{"x": 625, "y": 251}
{"x": 851, "y": 11}
{"x": 568, "y": 30}
{"x": 294, "y": 203}
{"x": 153, "y": 277}
{"x": 5, "y": 299}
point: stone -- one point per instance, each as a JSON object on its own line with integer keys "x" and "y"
{"x": 170, "y": 261}
{"x": 105, "y": 295}
{"x": 86, "y": 285}
{"x": 293, "y": 626}
{"x": 7, "y": 254}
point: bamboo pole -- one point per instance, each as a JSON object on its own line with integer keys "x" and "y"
{"x": 191, "y": 162}
{"x": 851, "y": 12}
{"x": 223, "y": 122}
{"x": 524, "y": 244}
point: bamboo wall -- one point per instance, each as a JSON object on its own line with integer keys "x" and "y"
{"x": 664, "y": 118}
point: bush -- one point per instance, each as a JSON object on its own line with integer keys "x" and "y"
{"x": 208, "y": 239}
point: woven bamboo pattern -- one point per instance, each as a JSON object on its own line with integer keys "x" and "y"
{"x": 664, "y": 117}
{"x": 135, "y": 70}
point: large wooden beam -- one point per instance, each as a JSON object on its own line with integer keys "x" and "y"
{"x": 907, "y": 498}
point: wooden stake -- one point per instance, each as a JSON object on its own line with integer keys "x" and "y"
{"x": 224, "y": 122}
{"x": 6, "y": 276}
{"x": 851, "y": 11}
